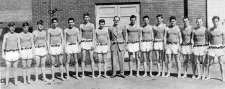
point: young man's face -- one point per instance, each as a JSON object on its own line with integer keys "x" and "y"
{"x": 199, "y": 22}
{"x": 101, "y": 24}
{"x": 132, "y": 20}
{"x": 25, "y": 28}
{"x": 54, "y": 23}
{"x": 146, "y": 21}
{"x": 173, "y": 22}
{"x": 40, "y": 26}
{"x": 11, "y": 28}
{"x": 186, "y": 22}
{"x": 216, "y": 22}
{"x": 86, "y": 18}
{"x": 116, "y": 20}
{"x": 159, "y": 19}
{"x": 71, "y": 23}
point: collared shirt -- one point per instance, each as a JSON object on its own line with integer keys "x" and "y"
{"x": 117, "y": 33}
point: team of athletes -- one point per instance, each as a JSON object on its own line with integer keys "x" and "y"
{"x": 196, "y": 45}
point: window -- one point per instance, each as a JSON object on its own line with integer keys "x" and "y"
{"x": 107, "y": 12}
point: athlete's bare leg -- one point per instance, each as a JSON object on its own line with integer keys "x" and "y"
{"x": 8, "y": 67}
{"x": 24, "y": 64}
{"x": 43, "y": 60}
{"x": 67, "y": 65}
{"x": 131, "y": 63}
{"x": 158, "y": 62}
{"x": 221, "y": 68}
{"x": 145, "y": 63}
{"x": 29, "y": 61}
{"x": 37, "y": 59}
{"x": 169, "y": 64}
{"x": 83, "y": 62}
{"x": 92, "y": 63}
{"x": 150, "y": 63}
{"x": 138, "y": 63}
{"x": 15, "y": 67}
{"x": 176, "y": 57}
{"x": 76, "y": 65}
{"x": 99, "y": 65}
{"x": 53, "y": 59}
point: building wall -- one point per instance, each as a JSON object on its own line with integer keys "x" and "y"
{"x": 197, "y": 8}
{"x": 76, "y": 8}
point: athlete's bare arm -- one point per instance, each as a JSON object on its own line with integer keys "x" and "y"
{"x": 3, "y": 44}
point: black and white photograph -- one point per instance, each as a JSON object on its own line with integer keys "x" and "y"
{"x": 112, "y": 44}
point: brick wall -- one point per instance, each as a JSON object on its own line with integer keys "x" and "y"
{"x": 197, "y": 8}
{"x": 75, "y": 9}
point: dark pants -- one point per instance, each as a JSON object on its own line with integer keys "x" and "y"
{"x": 117, "y": 56}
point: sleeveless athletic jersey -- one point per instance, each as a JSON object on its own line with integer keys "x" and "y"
{"x": 87, "y": 30}
{"x": 133, "y": 33}
{"x": 186, "y": 35}
{"x": 55, "y": 36}
{"x": 40, "y": 38}
{"x": 11, "y": 41}
{"x": 72, "y": 35}
{"x": 216, "y": 36}
{"x": 200, "y": 36}
{"x": 26, "y": 40}
{"x": 173, "y": 34}
{"x": 147, "y": 33}
{"x": 159, "y": 31}
{"x": 101, "y": 35}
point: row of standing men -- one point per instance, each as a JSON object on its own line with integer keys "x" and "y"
{"x": 167, "y": 42}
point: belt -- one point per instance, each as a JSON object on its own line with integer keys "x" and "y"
{"x": 26, "y": 48}
{"x": 72, "y": 43}
{"x": 188, "y": 44}
{"x": 158, "y": 40}
{"x": 172, "y": 42}
{"x": 133, "y": 42}
{"x": 200, "y": 45}
{"x": 146, "y": 40}
{"x": 56, "y": 45}
{"x": 118, "y": 42}
{"x": 40, "y": 46}
{"x": 88, "y": 40}
{"x": 216, "y": 47}
{"x": 101, "y": 43}
{"x": 11, "y": 50}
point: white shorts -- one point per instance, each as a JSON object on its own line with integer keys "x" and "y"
{"x": 158, "y": 45}
{"x": 42, "y": 51}
{"x": 200, "y": 50}
{"x": 215, "y": 51}
{"x": 172, "y": 48}
{"x": 86, "y": 45}
{"x": 101, "y": 49}
{"x": 56, "y": 50}
{"x": 26, "y": 54}
{"x": 12, "y": 55}
{"x": 72, "y": 49}
{"x": 146, "y": 46}
{"x": 133, "y": 47}
{"x": 186, "y": 49}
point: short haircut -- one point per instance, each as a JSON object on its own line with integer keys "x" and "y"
{"x": 70, "y": 19}
{"x": 41, "y": 22}
{"x": 133, "y": 16}
{"x": 86, "y": 14}
{"x": 215, "y": 17}
{"x": 101, "y": 21}
{"x": 199, "y": 18}
{"x": 116, "y": 17}
{"x": 54, "y": 19}
{"x": 146, "y": 17}
{"x": 186, "y": 17}
{"x": 173, "y": 17}
{"x": 10, "y": 24}
{"x": 159, "y": 15}
{"x": 25, "y": 24}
